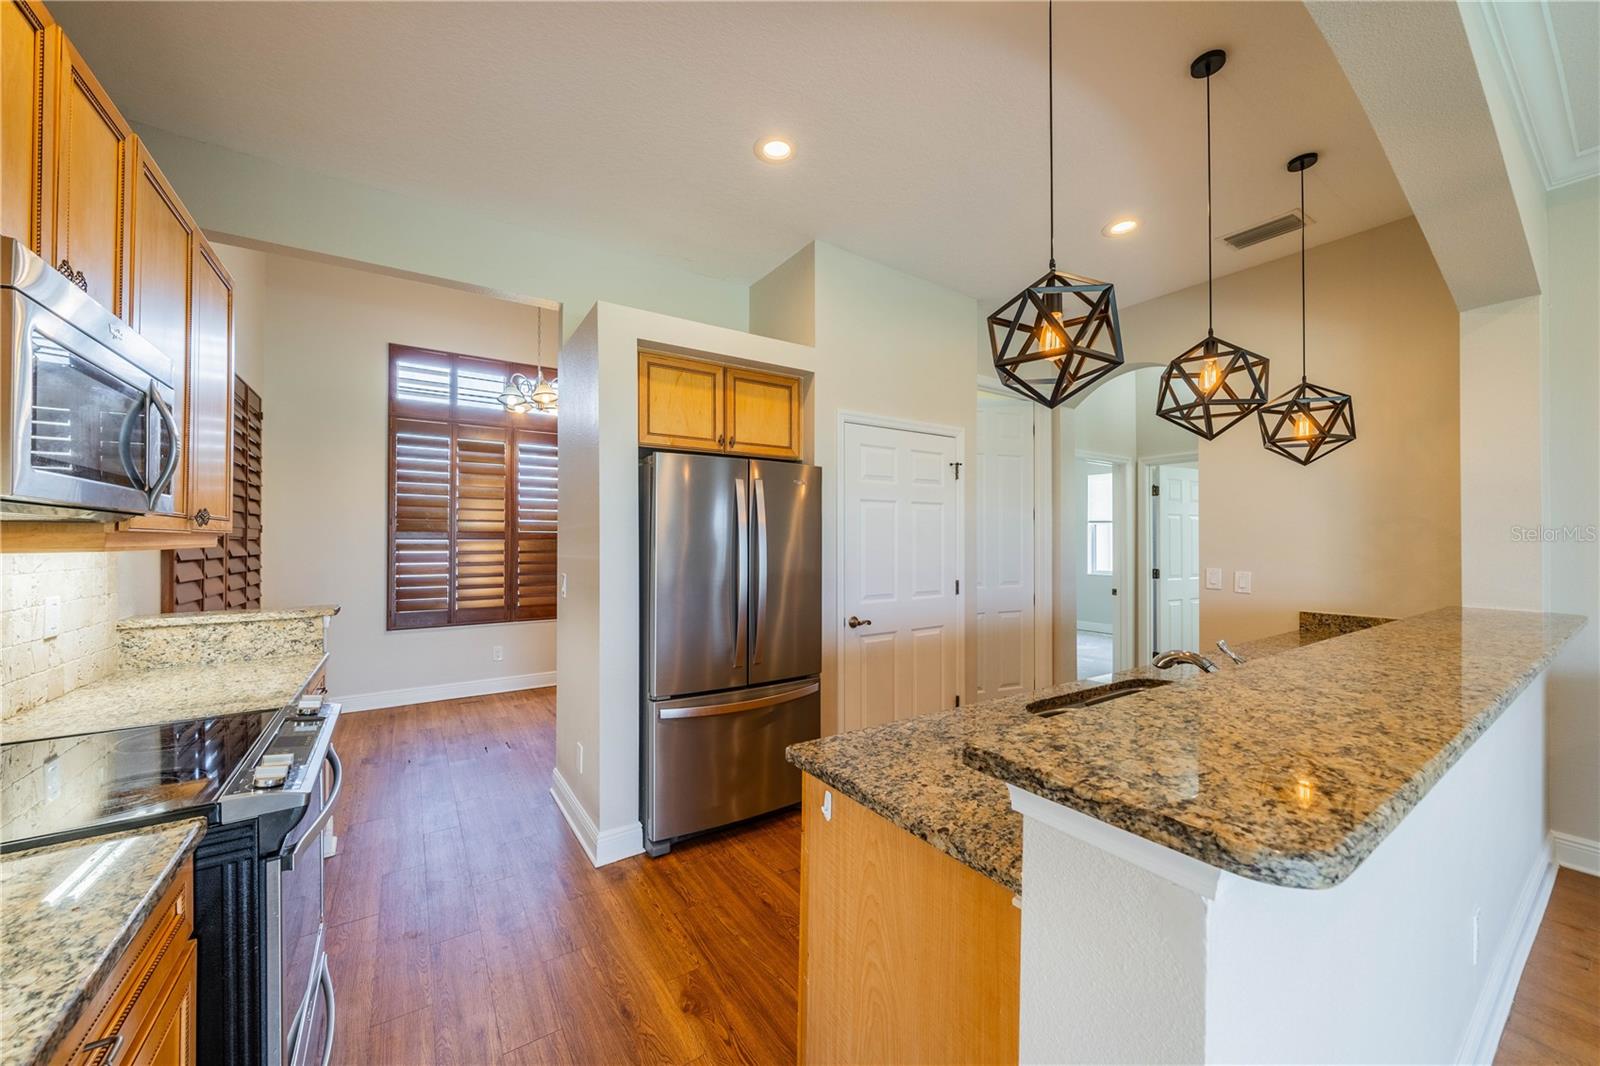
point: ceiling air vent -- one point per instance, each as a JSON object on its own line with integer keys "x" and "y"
{"x": 1277, "y": 227}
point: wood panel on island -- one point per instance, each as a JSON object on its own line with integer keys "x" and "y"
{"x": 696, "y": 405}
{"x": 88, "y": 197}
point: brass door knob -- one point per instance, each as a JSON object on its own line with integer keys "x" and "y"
{"x": 853, "y": 622}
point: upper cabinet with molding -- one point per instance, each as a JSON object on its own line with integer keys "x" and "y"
{"x": 87, "y": 196}
{"x": 693, "y": 405}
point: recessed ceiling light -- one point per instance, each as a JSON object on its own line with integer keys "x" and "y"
{"x": 774, "y": 150}
{"x": 1121, "y": 227}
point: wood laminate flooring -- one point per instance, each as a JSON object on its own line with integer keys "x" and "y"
{"x": 1556, "y": 1015}
{"x": 467, "y": 926}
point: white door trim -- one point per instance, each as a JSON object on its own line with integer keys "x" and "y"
{"x": 1044, "y": 575}
{"x": 1125, "y": 571}
{"x": 959, "y": 436}
{"x": 1145, "y": 642}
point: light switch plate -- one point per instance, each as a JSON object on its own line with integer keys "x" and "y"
{"x": 1241, "y": 581}
{"x": 1213, "y": 577}
{"x": 52, "y": 616}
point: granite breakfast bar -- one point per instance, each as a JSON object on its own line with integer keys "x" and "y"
{"x": 1284, "y": 859}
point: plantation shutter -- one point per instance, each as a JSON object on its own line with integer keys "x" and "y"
{"x": 228, "y": 576}
{"x": 473, "y": 498}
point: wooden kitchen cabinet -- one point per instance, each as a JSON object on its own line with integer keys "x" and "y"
{"x": 86, "y": 195}
{"x": 906, "y": 955}
{"x": 763, "y": 413}
{"x": 161, "y": 261}
{"x": 144, "y": 1015}
{"x": 680, "y": 403}
{"x": 93, "y": 168}
{"x": 209, "y": 410}
{"x": 693, "y": 405}
{"x": 30, "y": 49}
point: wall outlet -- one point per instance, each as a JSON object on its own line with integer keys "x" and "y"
{"x": 1477, "y": 912}
{"x": 1213, "y": 577}
{"x": 499, "y": 653}
{"x": 580, "y": 758}
{"x": 52, "y": 616}
{"x": 1241, "y": 581}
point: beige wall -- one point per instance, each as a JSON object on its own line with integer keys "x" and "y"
{"x": 1375, "y": 528}
{"x": 324, "y": 364}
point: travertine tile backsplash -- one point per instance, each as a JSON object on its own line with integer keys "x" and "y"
{"x": 34, "y": 668}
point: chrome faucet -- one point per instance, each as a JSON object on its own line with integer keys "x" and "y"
{"x": 1222, "y": 646}
{"x": 1172, "y": 658}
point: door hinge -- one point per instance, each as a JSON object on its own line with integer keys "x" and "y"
{"x": 1155, "y": 490}
{"x": 958, "y": 586}
{"x": 958, "y": 470}
{"x": 1156, "y": 573}
{"x": 958, "y": 699}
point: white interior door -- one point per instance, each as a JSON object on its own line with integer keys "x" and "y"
{"x": 1002, "y": 476}
{"x": 900, "y": 565}
{"x": 1178, "y": 559}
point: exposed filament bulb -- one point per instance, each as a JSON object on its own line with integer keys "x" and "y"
{"x": 1305, "y": 427}
{"x": 1210, "y": 377}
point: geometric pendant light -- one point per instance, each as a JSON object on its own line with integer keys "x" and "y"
{"x": 1309, "y": 421}
{"x": 1060, "y": 335}
{"x": 1215, "y": 384}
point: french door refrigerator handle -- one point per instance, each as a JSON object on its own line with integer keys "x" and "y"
{"x": 771, "y": 699}
{"x": 760, "y": 613}
{"x": 741, "y": 566}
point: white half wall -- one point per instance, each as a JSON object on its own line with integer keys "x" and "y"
{"x": 1132, "y": 952}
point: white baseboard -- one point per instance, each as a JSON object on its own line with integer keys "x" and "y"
{"x": 455, "y": 690}
{"x": 602, "y": 848}
{"x": 1576, "y": 853}
{"x": 1505, "y": 969}
{"x": 1095, "y": 627}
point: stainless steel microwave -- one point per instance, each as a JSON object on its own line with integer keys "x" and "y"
{"x": 88, "y": 403}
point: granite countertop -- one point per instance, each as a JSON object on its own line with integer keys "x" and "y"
{"x": 1292, "y": 769}
{"x": 166, "y": 694}
{"x": 912, "y": 773}
{"x": 225, "y": 618}
{"x": 69, "y": 913}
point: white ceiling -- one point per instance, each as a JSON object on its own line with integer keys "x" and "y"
{"x": 919, "y": 127}
{"x": 1551, "y": 54}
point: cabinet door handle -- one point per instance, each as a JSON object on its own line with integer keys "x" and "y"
{"x": 75, "y": 276}
{"x": 202, "y": 517}
{"x": 721, "y": 441}
{"x": 112, "y": 1042}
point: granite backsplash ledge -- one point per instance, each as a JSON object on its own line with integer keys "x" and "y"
{"x": 214, "y": 637}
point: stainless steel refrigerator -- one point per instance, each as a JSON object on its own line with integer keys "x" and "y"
{"x": 732, "y": 626}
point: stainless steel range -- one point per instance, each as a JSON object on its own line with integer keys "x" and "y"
{"x": 267, "y": 782}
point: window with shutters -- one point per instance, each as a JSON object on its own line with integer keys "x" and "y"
{"x": 472, "y": 494}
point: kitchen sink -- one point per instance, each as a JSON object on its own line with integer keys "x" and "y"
{"x": 1088, "y": 697}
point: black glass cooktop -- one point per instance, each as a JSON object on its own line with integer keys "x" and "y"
{"x": 67, "y": 785}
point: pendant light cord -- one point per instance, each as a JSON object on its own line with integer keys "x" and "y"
{"x": 1050, "y": 74}
{"x": 1302, "y": 276}
{"x": 1210, "y": 311}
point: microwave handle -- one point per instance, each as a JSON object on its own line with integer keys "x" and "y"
{"x": 171, "y": 424}
{"x": 125, "y": 448}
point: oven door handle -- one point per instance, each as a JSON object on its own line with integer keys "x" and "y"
{"x": 325, "y": 983}
{"x": 315, "y": 829}
{"x": 125, "y": 446}
{"x": 171, "y": 468}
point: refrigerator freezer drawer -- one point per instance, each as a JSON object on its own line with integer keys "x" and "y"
{"x": 712, "y": 760}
